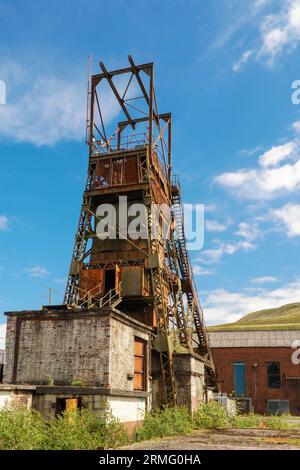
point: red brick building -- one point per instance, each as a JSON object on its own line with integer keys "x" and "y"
{"x": 260, "y": 366}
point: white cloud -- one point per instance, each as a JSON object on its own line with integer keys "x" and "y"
{"x": 274, "y": 177}
{"x": 250, "y": 152}
{"x": 264, "y": 280}
{"x": 279, "y": 33}
{"x": 59, "y": 280}
{"x": 2, "y": 335}
{"x": 222, "y": 306}
{"x": 3, "y": 222}
{"x": 296, "y": 126}
{"x": 199, "y": 271}
{"x": 237, "y": 66}
{"x": 37, "y": 271}
{"x": 213, "y": 255}
{"x": 277, "y": 154}
{"x": 44, "y": 108}
{"x": 289, "y": 215}
{"x": 214, "y": 226}
{"x": 249, "y": 231}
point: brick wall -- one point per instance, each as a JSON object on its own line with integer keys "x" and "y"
{"x": 46, "y": 348}
{"x": 189, "y": 373}
{"x": 289, "y": 390}
{"x": 122, "y": 353}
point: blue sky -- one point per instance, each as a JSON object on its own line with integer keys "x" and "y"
{"x": 224, "y": 69}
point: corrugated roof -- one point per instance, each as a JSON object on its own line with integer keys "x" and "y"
{"x": 254, "y": 339}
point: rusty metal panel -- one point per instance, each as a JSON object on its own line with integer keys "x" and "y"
{"x": 91, "y": 280}
{"x": 131, "y": 174}
{"x": 132, "y": 280}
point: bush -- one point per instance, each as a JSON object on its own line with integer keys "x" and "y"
{"x": 85, "y": 430}
{"x": 21, "y": 429}
{"x": 212, "y": 416}
{"x": 168, "y": 421}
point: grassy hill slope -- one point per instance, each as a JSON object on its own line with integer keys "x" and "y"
{"x": 286, "y": 317}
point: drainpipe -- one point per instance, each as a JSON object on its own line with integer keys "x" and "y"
{"x": 255, "y": 365}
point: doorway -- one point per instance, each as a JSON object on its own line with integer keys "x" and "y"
{"x": 109, "y": 280}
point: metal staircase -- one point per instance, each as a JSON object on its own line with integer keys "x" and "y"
{"x": 188, "y": 285}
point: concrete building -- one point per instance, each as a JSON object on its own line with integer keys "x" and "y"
{"x": 60, "y": 359}
{"x": 260, "y": 363}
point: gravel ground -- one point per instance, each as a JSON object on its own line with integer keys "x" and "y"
{"x": 233, "y": 439}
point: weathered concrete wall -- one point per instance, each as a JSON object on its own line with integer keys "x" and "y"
{"x": 130, "y": 410}
{"x": 94, "y": 348}
{"x": 11, "y": 396}
{"x": 189, "y": 372}
{"x": 122, "y": 353}
{"x": 58, "y": 350}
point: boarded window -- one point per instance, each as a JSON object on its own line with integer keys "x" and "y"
{"x": 273, "y": 375}
{"x": 139, "y": 364}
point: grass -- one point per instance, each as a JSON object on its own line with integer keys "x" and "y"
{"x": 22, "y": 429}
{"x": 286, "y": 317}
{"x": 252, "y": 421}
{"x": 168, "y": 421}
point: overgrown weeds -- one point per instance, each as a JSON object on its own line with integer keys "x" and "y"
{"x": 23, "y": 429}
{"x": 168, "y": 421}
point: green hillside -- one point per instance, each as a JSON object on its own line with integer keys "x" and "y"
{"x": 286, "y": 317}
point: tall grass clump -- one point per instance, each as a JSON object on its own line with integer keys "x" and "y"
{"x": 212, "y": 416}
{"x": 21, "y": 429}
{"x": 85, "y": 430}
{"x": 167, "y": 421}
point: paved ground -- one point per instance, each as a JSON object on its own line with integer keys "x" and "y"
{"x": 233, "y": 439}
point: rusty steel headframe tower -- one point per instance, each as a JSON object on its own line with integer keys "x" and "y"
{"x": 150, "y": 279}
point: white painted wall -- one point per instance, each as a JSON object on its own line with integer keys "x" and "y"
{"x": 5, "y": 398}
{"x": 127, "y": 409}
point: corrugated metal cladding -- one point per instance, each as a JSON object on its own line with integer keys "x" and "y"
{"x": 132, "y": 278}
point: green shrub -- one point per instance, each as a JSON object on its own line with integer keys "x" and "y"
{"x": 21, "y": 429}
{"x": 212, "y": 416}
{"x": 168, "y": 421}
{"x": 248, "y": 421}
{"x": 85, "y": 429}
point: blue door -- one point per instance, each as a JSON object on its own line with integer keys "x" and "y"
{"x": 239, "y": 382}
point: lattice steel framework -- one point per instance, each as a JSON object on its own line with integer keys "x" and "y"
{"x": 177, "y": 307}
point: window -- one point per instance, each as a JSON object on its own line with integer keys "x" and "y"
{"x": 139, "y": 382}
{"x": 273, "y": 375}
